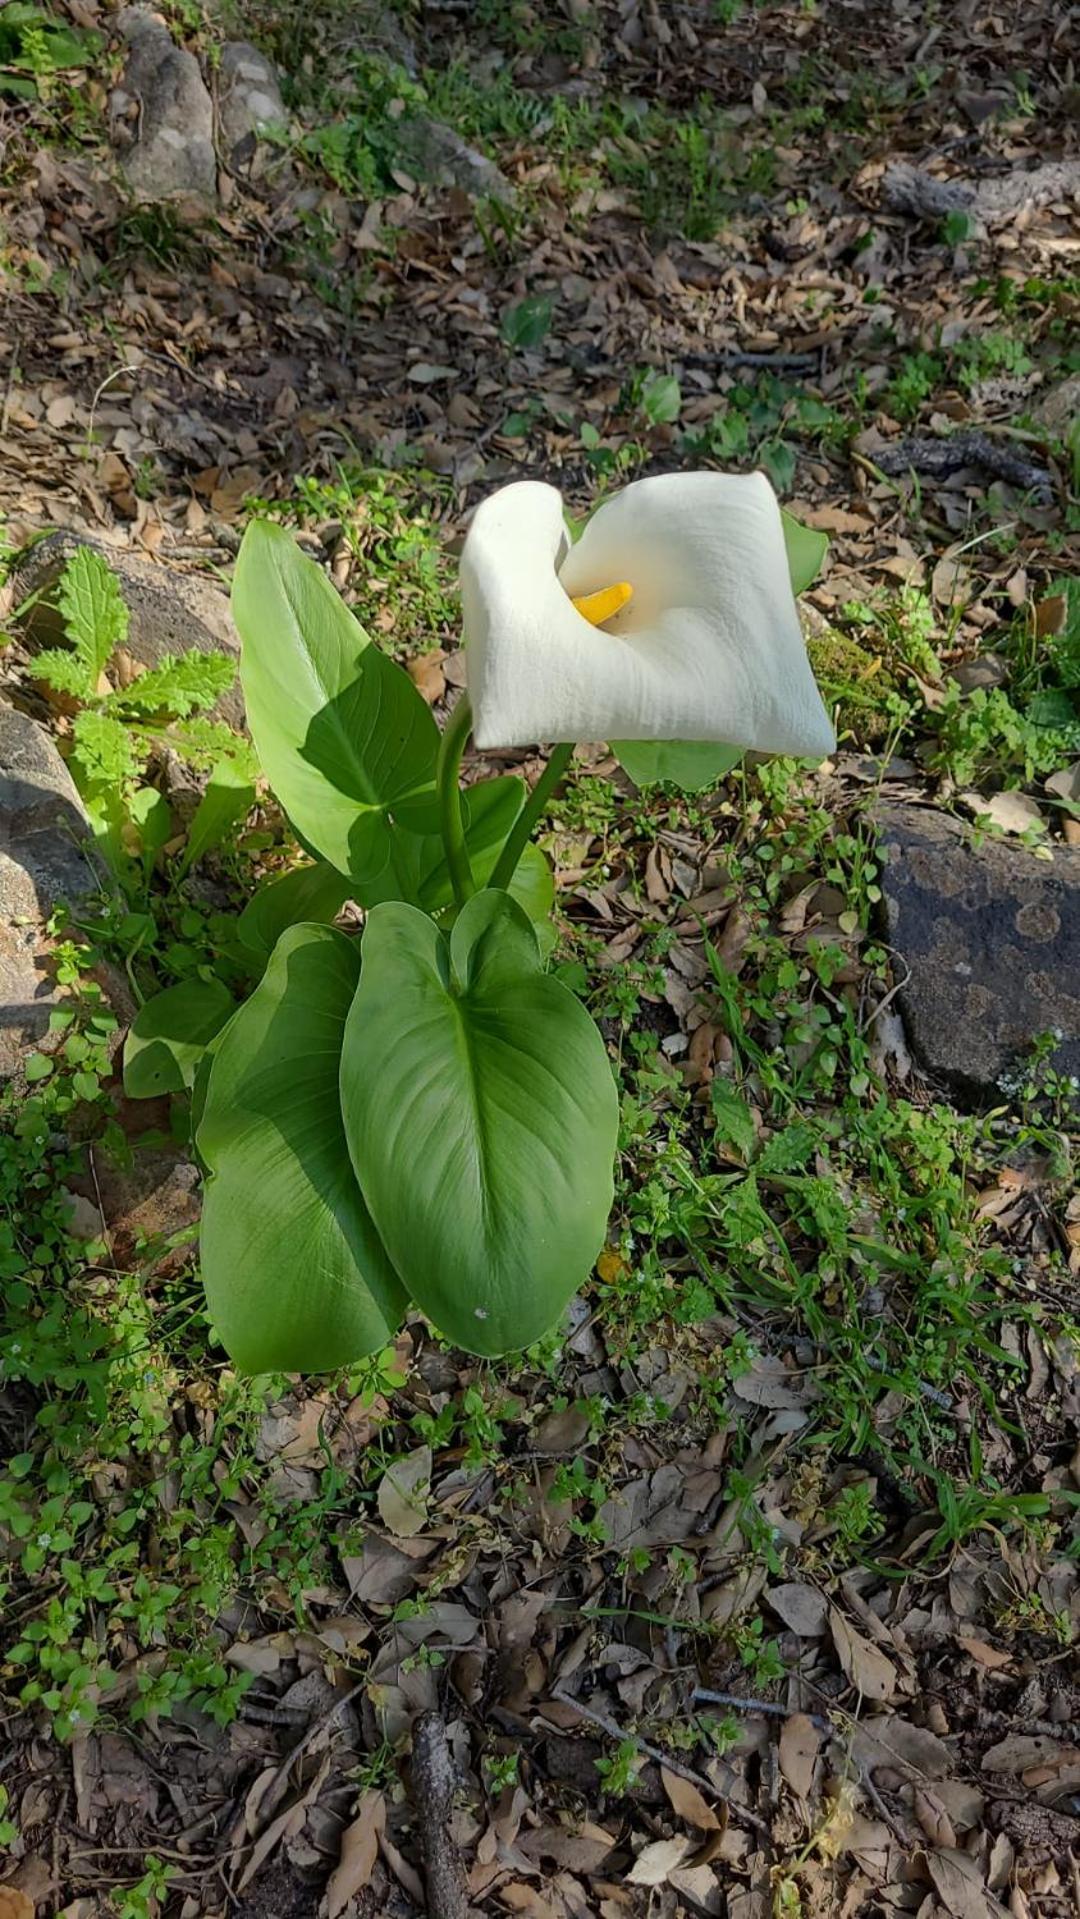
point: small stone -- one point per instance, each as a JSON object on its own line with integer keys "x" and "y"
{"x": 170, "y": 611}
{"x": 164, "y": 98}
{"x": 989, "y": 935}
{"x": 43, "y": 862}
{"x": 1060, "y": 407}
{"x": 84, "y": 1219}
{"x": 988, "y": 670}
{"x": 249, "y": 102}
{"x": 434, "y": 152}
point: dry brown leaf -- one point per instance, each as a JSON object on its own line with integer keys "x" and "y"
{"x": 15, "y": 1904}
{"x": 991, "y": 1657}
{"x": 767, "y": 1382}
{"x": 1021, "y": 1751}
{"x": 799, "y": 1744}
{"x": 933, "y": 1818}
{"x": 866, "y": 1665}
{"x": 658, "y": 876}
{"x": 516, "y": 1896}
{"x": 959, "y": 1885}
{"x": 802, "y": 1609}
{"x": 426, "y": 674}
{"x": 689, "y": 1802}
{"x": 359, "y": 1851}
{"x": 658, "y": 1861}
{"x": 403, "y": 1491}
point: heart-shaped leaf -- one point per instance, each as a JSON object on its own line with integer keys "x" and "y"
{"x": 314, "y": 893}
{"x": 296, "y": 1276}
{"x": 481, "y": 1115}
{"x": 691, "y": 764}
{"x": 806, "y": 548}
{"x": 170, "y": 1034}
{"x": 346, "y": 741}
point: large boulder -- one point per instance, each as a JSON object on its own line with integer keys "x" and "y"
{"x": 44, "y": 863}
{"x": 162, "y": 114}
{"x": 990, "y": 937}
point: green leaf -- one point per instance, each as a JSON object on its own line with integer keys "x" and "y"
{"x": 170, "y": 1034}
{"x": 182, "y": 683}
{"x": 93, "y": 611}
{"x": 151, "y": 814}
{"x": 296, "y": 1277}
{"x": 65, "y": 671}
{"x": 690, "y": 764}
{"x": 806, "y": 549}
{"x": 346, "y": 741}
{"x": 104, "y": 752}
{"x": 734, "y": 1120}
{"x": 661, "y": 399}
{"x": 229, "y": 797}
{"x": 315, "y": 893}
{"x": 527, "y": 323}
{"x": 778, "y": 459}
{"x": 481, "y": 1115}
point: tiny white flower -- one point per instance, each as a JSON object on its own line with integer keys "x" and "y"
{"x": 672, "y": 618}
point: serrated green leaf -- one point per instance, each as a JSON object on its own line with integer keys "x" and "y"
{"x": 104, "y": 751}
{"x": 182, "y": 683}
{"x": 296, "y": 1276}
{"x": 92, "y": 609}
{"x": 486, "y": 1079}
{"x": 66, "y": 671}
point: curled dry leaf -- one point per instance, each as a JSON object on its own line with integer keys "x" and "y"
{"x": 658, "y": 1861}
{"x": 689, "y": 1802}
{"x": 359, "y": 1851}
{"x": 867, "y": 1667}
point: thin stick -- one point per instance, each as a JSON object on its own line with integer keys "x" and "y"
{"x": 754, "y": 1705}
{"x": 432, "y": 1793}
{"x": 665, "y": 1759}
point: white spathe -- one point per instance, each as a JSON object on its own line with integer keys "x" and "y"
{"x": 709, "y": 648}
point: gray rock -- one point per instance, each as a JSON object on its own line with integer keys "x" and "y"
{"x": 162, "y": 111}
{"x": 991, "y": 936}
{"x": 1058, "y": 409}
{"x": 171, "y": 612}
{"x": 249, "y": 101}
{"x": 43, "y": 863}
{"x": 435, "y": 153}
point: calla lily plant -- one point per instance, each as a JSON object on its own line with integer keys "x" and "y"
{"x": 426, "y": 1113}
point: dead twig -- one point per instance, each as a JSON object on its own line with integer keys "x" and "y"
{"x": 738, "y": 1704}
{"x": 432, "y": 1792}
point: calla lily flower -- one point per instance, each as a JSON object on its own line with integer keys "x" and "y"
{"x": 672, "y": 618}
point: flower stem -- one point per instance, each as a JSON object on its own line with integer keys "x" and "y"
{"x": 533, "y": 809}
{"x": 456, "y": 732}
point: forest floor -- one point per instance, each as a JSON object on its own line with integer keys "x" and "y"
{"x": 756, "y": 1589}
